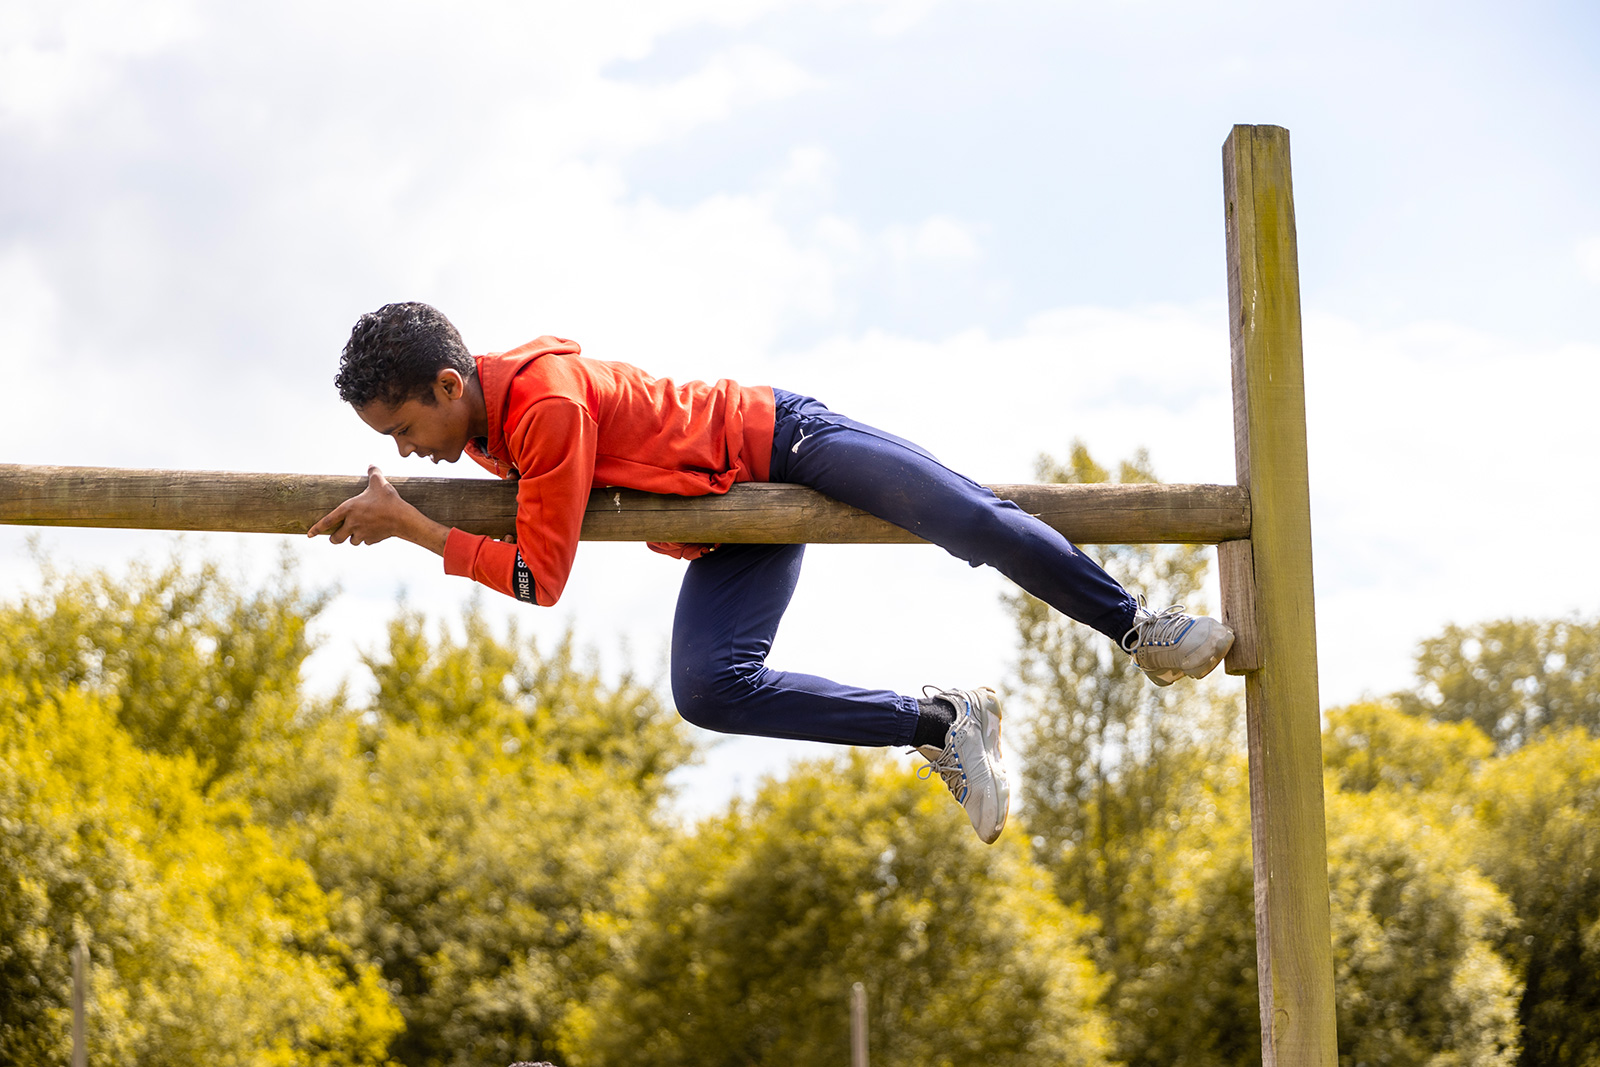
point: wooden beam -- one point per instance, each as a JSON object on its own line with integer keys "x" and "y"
{"x": 1236, "y": 573}
{"x": 1293, "y": 943}
{"x": 759, "y": 513}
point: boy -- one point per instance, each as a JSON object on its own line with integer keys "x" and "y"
{"x": 562, "y": 424}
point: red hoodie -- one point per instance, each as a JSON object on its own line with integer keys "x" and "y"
{"x": 563, "y": 425}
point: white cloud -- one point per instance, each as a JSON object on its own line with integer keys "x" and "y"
{"x": 56, "y": 57}
{"x": 29, "y": 308}
{"x": 899, "y": 16}
{"x": 809, "y": 168}
{"x": 1588, "y": 257}
{"x": 937, "y": 240}
{"x": 1448, "y": 484}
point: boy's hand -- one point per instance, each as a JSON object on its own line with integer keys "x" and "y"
{"x": 378, "y": 514}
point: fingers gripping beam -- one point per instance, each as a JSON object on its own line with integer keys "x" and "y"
{"x": 752, "y": 512}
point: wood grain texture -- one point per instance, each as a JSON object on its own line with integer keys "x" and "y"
{"x": 1236, "y": 571}
{"x": 1293, "y": 942}
{"x": 756, "y": 513}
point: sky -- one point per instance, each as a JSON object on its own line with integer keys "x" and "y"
{"x": 991, "y": 227}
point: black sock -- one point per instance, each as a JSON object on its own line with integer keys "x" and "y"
{"x": 935, "y": 716}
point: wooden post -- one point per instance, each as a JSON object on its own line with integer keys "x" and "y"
{"x": 858, "y": 1025}
{"x": 1293, "y": 944}
{"x": 80, "y": 1049}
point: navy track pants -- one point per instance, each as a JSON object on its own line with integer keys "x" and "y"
{"x": 734, "y": 597}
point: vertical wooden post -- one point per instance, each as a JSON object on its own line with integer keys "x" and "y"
{"x": 80, "y": 982}
{"x": 1293, "y": 945}
{"x": 858, "y": 1025}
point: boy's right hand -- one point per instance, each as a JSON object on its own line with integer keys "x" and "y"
{"x": 377, "y": 514}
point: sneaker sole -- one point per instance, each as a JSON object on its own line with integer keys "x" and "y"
{"x": 986, "y": 706}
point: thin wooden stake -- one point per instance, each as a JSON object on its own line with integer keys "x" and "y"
{"x": 858, "y": 1025}
{"x": 80, "y": 1051}
{"x": 1293, "y": 944}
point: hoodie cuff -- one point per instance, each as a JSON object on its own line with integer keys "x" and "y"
{"x": 460, "y": 550}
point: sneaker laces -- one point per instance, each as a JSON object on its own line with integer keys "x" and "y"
{"x": 948, "y": 764}
{"x": 950, "y": 771}
{"x": 1154, "y": 627}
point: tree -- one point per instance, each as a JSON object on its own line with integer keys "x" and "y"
{"x": 1186, "y": 992}
{"x": 1105, "y": 752}
{"x": 186, "y": 661}
{"x": 1137, "y": 801}
{"x": 264, "y": 879}
{"x": 1533, "y": 687}
{"x": 849, "y": 870}
{"x": 1513, "y": 678}
{"x": 1537, "y": 812}
{"x": 1375, "y": 745}
{"x": 1416, "y": 929}
{"x": 208, "y": 943}
{"x": 486, "y": 821}
{"x": 1108, "y": 760}
{"x": 1420, "y": 979}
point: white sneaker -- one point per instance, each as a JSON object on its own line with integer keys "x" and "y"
{"x": 1170, "y": 645}
{"x": 970, "y": 761}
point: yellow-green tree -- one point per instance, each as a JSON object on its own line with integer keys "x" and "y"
{"x": 1373, "y": 745}
{"x": 1137, "y": 801}
{"x": 209, "y": 943}
{"x": 1529, "y": 689}
{"x": 1107, "y": 754}
{"x": 1109, "y": 763}
{"x": 1512, "y": 678}
{"x": 1416, "y": 929}
{"x": 1538, "y": 815}
{"x": 264, "y": 879}
{"x": 486, "y": 822}
{"x": 1420, "y": 976}
{"x": 186, "y": 661}
{"x": 754, "y": 931}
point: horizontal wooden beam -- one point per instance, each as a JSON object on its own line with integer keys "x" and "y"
{"x": 753, "y": 512}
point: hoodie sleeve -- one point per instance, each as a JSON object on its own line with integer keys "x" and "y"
{"x": 554, "y": 446}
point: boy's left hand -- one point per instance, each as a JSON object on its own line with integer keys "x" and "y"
{"x": 378, "y": 514}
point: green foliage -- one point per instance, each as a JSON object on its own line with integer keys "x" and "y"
{"x": 187, "y": 662}
{"x": 208, "y": 943}
{"x": 1375, "y": 745}
{"x": 1513, "y": 678}
{"x": 1106, "y": 751}
{"x": 484, "y": 831}
{"x": 1538, "y": 812}
{"x": 476, "y": 867}
{"x": 1534, "y": 688}
{"x": 1416, "y": 976}
{"x": 1138, "y": 802}
{"x": 436, "y": 878}
{"x": 754, "y": 931}
{"x": 1112, "y": 767}
{"x": 1419, "y": 978}
{"x": 1528, "y": 818}
{"x": 482, "y": 681}
{"x": 1185, "y": 992}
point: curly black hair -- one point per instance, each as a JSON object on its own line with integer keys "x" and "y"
{"x": 395, "y": 353}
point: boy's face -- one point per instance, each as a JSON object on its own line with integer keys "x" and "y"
{"x": 439, "y": 431}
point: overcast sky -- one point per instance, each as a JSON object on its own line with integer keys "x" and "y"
{"x": 989, "y": 227}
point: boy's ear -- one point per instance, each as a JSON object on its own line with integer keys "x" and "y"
{"x": 449, "y": 385}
